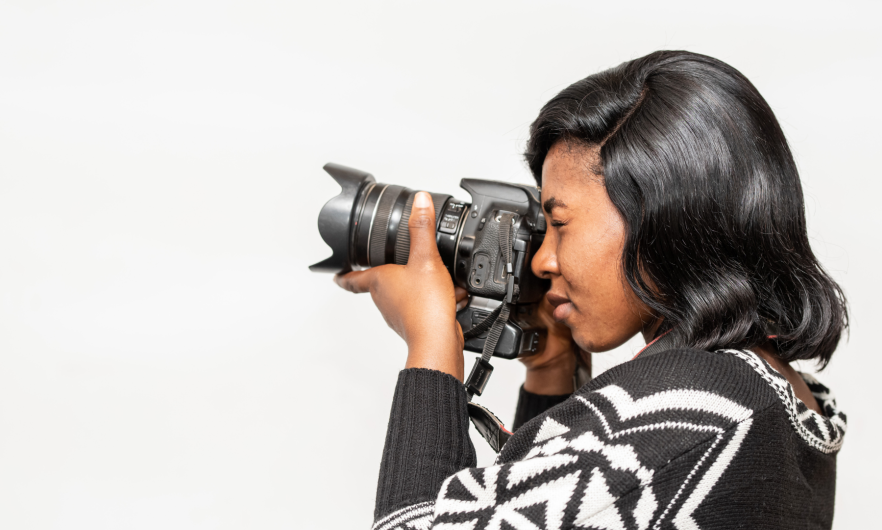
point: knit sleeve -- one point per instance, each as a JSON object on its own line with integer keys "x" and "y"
{"x": 427, "y": 440}
{"x": 531, "y": 405}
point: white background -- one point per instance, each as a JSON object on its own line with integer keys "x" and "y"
{"x": 166, "y": 359}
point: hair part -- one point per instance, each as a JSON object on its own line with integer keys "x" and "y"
{"x": 696, "y": 163}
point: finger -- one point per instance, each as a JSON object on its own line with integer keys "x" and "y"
{"x": 422, "y": 230}
{"x": 460, "y": 294}
{"x": 462, "y": 298}
{"x": 356, "y": 281}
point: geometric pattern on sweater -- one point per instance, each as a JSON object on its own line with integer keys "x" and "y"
{"x": 417, "y": 517}
{"x": 590, "y": 494}
{"x": 535, "y": 492}
{"x": 620, "y": 458}
{"x": 824, "y": 433}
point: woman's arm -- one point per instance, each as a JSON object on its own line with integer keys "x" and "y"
{"x": 531, "y": 405}
{"x": 417, "y": 300}
{"x": 427, "y": 439}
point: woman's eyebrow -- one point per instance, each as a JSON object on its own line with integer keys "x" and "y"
{"x": 553, "y": 203}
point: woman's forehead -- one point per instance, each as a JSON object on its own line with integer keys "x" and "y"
{"x": 568, "y": 171}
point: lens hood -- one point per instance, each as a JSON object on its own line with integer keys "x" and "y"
{"x": 335, "y": 219}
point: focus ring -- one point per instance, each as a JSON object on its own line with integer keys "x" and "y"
{"x": 402, "y": 242}
{"x": 381, "y": 226}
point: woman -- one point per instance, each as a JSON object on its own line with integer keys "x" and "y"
{"x": 674, "y": 209}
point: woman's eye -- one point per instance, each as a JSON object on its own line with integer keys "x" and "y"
{"x": 557, "y": 223}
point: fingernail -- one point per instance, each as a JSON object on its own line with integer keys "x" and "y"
{"x": 422, "y": 200}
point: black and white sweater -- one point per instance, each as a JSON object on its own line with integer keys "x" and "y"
{"x": 685, "y": 439}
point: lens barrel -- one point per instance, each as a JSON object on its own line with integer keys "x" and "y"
{"x": 367, "y": 224}
{"x": 380, "y": 228}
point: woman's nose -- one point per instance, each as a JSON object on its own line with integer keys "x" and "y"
{"x": 545, "y": 261}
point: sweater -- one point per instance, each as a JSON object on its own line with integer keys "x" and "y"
{"x": 684, "y": 439}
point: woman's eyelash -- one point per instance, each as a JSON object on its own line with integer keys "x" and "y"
{"x": 557, "y": 223}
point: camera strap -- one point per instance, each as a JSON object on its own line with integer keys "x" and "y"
{"x": 490, "y": 427}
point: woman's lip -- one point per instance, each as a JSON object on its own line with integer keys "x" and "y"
{"x": 562, "y": 306}
{"x": 556, "y": 299}
{"x": 562, "y": 311}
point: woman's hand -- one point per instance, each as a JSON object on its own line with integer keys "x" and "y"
{"x": 418, "y": 300}
{"x": 550, "y": 372}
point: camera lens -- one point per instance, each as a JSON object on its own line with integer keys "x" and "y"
{"x": 367, "y": 224}
{"x": 381, "y": 232}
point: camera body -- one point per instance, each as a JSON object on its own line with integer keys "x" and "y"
{"x": 366, "y": 226}
{"x": 481, "y": 269}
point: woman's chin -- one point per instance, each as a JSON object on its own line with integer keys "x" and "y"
{"x": 596, "y": 344}
{"x": 585, "y": 343}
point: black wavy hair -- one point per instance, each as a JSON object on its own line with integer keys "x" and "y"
{"x": 695, "y": 161}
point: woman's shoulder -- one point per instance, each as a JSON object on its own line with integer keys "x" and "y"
{"x": 728, "y": 379}
{"x": 676, "y": 400}
{"x": 733, "y": 384}
{"x": 657, "y": 396}
{"x": 697, "y": 376}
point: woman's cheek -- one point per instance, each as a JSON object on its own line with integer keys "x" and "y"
{"x": 604, "y": 316}
{"x": 586, "y": 315}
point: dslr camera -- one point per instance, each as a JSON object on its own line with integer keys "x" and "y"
{"x": 487, "y": 245}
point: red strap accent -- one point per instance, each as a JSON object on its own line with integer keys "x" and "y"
{"x": 651, "y": 343}
{"x": 668, "y": 331}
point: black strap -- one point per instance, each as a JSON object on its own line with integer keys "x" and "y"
{"x": 505, "y": 245}
{"x": 495, "y": 332}
{"x": 496, "y": 320}
{"x": 483, "y": 326}
{"x": 490, "y": 427}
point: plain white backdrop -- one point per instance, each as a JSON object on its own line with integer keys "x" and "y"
{"x": 167, "y": 360}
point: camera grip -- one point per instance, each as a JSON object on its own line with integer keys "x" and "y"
{"x": 513, "y": 342}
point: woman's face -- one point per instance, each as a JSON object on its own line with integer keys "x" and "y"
{"x": 582, "y": 253}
